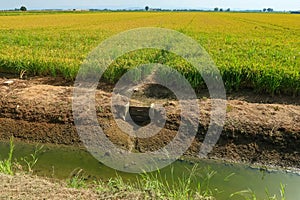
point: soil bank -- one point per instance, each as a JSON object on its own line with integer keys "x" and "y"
{"x": 258, "y": 129}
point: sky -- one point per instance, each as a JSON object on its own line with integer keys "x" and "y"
{"x": 165, "y": 4}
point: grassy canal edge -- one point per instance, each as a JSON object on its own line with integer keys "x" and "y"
{"x": 18, "y": 175}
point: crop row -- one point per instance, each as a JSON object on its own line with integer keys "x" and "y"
{"x": 255, "y": 51}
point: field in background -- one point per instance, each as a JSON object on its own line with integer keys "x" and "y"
{"x": 252, "y": 50}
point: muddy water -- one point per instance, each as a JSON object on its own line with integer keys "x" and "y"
{"x": 59, "y": 162}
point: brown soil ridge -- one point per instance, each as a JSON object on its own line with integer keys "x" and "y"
{"x": 33, "y": 111}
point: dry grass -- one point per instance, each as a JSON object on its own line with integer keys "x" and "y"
{"x": 31, "y": 187}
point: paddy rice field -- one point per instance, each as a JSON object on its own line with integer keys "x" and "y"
{"x": 256, "y": 51}
{"x": 259, "y": 52}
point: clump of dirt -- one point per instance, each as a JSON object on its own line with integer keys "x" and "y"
{"x": 40, "y": 110}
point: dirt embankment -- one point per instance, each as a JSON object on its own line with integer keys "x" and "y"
{"x": 40, "y": 110}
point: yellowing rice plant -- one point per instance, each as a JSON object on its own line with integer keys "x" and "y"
{"x": 252, "y": 50}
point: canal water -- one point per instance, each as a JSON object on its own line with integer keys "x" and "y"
{"x": 60, "y": 162}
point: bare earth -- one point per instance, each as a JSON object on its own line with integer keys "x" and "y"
{"x": 258, "y": 129}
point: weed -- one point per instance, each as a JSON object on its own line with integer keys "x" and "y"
{"x": 276, "y": 108}
{"x": 6, "y": 166}
{"x": 229, "y": 108}
{"x": 250, "y": 195}
{"x": 32, "y": 160}
{"x": 77, "y": 179}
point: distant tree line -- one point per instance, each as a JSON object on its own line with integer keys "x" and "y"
{"x": 22, "y": 8}
{"x": 147, "y": 8}
{"x": 268, "y": 10}
{"x": 228, "y": 10}
{"x": 221, "y": 9}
